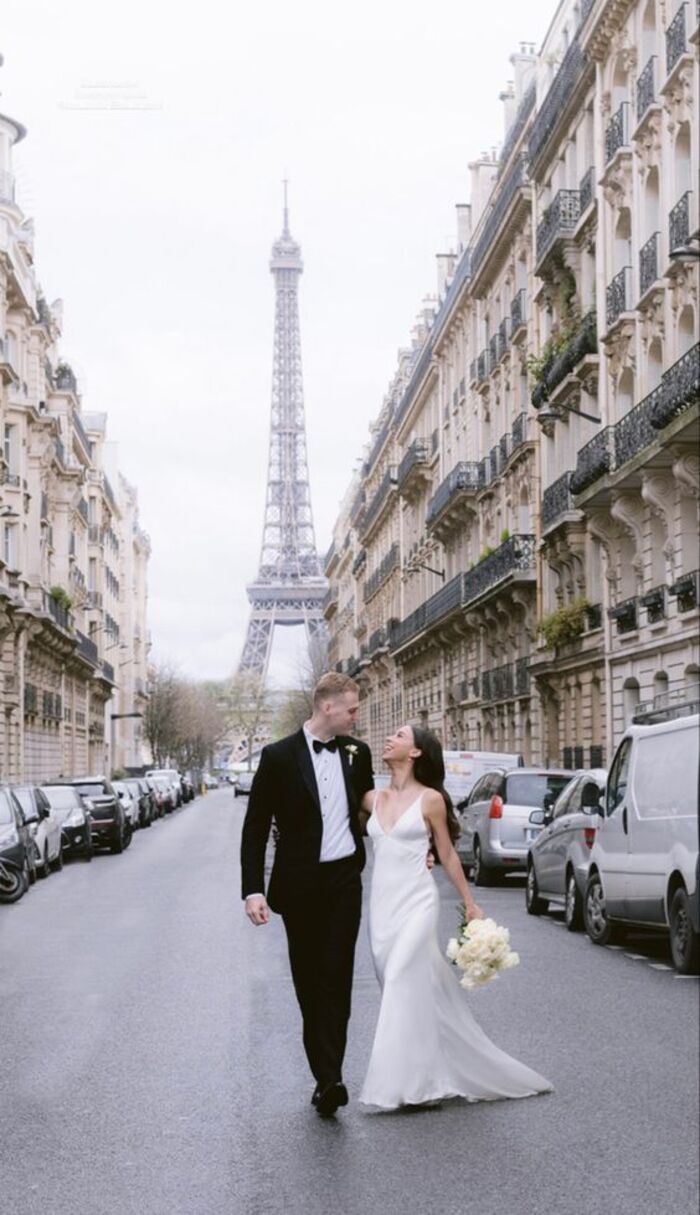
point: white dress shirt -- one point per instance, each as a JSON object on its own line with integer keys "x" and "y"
{"x": 337, "y": 840}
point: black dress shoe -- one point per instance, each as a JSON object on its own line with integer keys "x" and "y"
{"x": 315, "y": 1095}
{"x": 331, "y": 1098}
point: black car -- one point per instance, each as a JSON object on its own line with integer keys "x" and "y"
{"x": 16, "y": 843}
{"x": 110, "y": 826}
{"x": 187, "y": 788}
{"x": 75, "y": 817}
{"x": 141, "y": 794}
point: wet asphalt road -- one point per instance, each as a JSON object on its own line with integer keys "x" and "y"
{"x": 151, "y": 1062}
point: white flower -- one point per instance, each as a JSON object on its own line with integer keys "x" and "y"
{"x": 481, "y": 950}
{"x": 351, "y": 752}
{"x": 452, "y": 949}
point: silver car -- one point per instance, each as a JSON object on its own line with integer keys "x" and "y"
{"x": 559, "y": 857}
{"x": 496, "y": 828}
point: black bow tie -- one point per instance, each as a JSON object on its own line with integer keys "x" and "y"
{"x": 331, "y": 745}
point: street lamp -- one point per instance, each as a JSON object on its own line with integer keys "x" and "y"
{"x": 420, "y": 565}
{"x": 689, "y": 252}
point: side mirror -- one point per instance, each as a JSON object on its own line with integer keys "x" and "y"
{"x": 538, "y": 818}
{"x": 44, "y": 811}
{"x": 591, "y": 799}
{"x": 88, "y": 804}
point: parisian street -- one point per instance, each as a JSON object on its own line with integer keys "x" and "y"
{"x": 152, "y": 1060}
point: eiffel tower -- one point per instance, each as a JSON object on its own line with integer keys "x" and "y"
{"x": 290, "y": 587}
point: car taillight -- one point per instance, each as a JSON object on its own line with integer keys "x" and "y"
{"x": 589, "y": 836}
{"x": 496, "y": 807}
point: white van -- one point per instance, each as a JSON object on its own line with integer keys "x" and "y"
{"x": 463, "y": 769}
{"x": 644, "y": 861}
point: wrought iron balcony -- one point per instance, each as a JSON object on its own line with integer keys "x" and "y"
{"x": 681, "y": 388}
{"x": 558, "y": 221}
{"x": 655, "y": 603}
{"x": 60, "y": 613}
{"x": 685, "y": 591}
{"x": 359, "y": 562}
{"x": 93, "y": 600}
{"x": 376, "y": 504}
{"x": 504, "y": 335}
{"x": 65, "y": 378}
{"x": 519, "y": 430}
{"x": 108, "y": 671}
{"x": 378, "y": 640}
{"x": 618, "y": 295}
{"x": 518, "y": 311}
{"x": 486, "y": 471}
{"x": 646, "y": 89}
{"x": 594, "y": 616}
{"x": 463, "y": 480}
{"x": 516, "y": 555}
{"x": 417, "y": 455}
{"x": 617, "y": 131}
{"x": 498, "y": 683}
{"x": 635, "y": 431}
{"x": 582, "y": 342}
{"x": 501, "y": 199}
{"x": 593, "y": 461}
{"x": 625, "y": 614}
{"x": 554, "y": 105}
{"x": 676, "y": 39}
{"x": 494, "y": 351}
{"x": 87, "y": 648}
{"x": 557, "y": 500}
{"x": 649, "y": 259}
{"x": 586, "y": 189}
{"x": 386, "y": 567}
{"x": 431, "y": 612}
{"x": 679, "y": 223}
{"x": 483, "y": 367}
{"x": 505, "y": 448}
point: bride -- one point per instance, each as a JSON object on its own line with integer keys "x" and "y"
{"x": 427, "y": 1044}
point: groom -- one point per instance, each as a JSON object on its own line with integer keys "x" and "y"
{"x": 312, "y": 783}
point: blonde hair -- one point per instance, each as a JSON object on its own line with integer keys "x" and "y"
{"x": 333, "y": 684}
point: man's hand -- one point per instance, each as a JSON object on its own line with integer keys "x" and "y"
{"x": 257, "y": 910}
{"x": 430, "y": 860}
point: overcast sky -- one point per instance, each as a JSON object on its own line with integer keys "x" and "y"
{"x": 154, "y": 225}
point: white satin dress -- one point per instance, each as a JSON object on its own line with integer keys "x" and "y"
{"x": 427, "y": 1044}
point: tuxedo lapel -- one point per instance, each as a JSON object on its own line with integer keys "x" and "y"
{"x": 306, "y": 766}
{"x": 347, "y": 775}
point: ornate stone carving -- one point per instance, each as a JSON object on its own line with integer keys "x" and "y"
{"x": 617, "y": 189}
{"x": 620, "y": 349}
{"x": 686, "y": 470}
{"x": 649, "y": 144}
{"x": 652, "y": 320}
{"x": 678, "y": 100}
{"x": 627, "y": 510}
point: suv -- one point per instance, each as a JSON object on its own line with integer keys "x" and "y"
{"x": 559, "y": 856}
{"x": 644, "y": 862}
{"x": 45, "y": 827}
{"x": 109, "y": 824}
{"x": 173, "y": 778}
{"x": 73, "y": 813}
{"x": 496, "y": 829}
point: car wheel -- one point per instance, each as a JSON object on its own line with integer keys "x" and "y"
{"x": 535, "y": 905}
{"x": 483, "y": 876}
{"x": 32, "y": 873}
{"x": 46, "y": 864}
{"x": 117, "y": 844}
{"x": 88, "y": 850}
{"x": 57, "y": 862}
{"x": 685, "y": 942}
{"x": 573, "y": 905}
{"x": 595, "y": 916}
{"x": 14, "y": 885}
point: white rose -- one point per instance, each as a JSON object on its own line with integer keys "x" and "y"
{"x": 452, "y": 949}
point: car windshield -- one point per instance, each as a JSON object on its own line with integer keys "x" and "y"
{"x": 61, "y": 797}
{"x": 6, "y": 815}
{"x": 531, "y": 788}
{"x": 91, "y": 790}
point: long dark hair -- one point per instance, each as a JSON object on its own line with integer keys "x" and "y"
{"x": 429, "y": 770}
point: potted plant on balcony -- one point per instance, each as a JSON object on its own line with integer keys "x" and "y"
{"x": 565, "y": 624}
{"x": 61, "y": 597}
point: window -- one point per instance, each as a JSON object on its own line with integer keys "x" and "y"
{"x": 666, "y": 775}
{"x": 566, "y": 803}
{"x": 10, "y": 447}
{"x": 9, "y": 545}
{"x": 617, "y": 783}
{"x": 531, "y": 788}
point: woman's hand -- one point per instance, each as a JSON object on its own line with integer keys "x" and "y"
{"x": 473, "y": 910}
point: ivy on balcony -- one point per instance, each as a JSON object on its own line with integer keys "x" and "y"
{"x": 561, "y": 354}
{"x": 565, "y": 624}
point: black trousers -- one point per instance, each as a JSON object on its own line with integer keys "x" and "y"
{"x": 322, "y": 923}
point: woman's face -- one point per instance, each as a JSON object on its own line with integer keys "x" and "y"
{"x": 400, "y": 746}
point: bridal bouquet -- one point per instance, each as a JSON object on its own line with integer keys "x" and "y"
{"x": 481, "y": 950}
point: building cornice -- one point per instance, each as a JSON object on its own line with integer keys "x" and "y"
{"x": 603, "y": 22}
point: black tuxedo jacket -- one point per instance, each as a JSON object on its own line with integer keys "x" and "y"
{"x": 284, "y": 787}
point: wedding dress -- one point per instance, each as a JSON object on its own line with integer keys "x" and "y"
{"x": 427, "y": 1044}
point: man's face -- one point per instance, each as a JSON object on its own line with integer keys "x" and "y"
{"x": 341, "y": 711}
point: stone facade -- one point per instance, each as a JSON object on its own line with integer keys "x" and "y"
{"x": 516, "y": 565}
{"x": 73, "y": 558}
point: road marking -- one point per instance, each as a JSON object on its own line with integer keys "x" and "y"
{"x": 688, "y": 976}
{"x": 660, "y": 966}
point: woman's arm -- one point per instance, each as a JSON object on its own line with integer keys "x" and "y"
{"x": 366, "y": 808}
{"x": 435, "y": 813}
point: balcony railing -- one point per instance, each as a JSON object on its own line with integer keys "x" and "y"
{"x": 65, "y": 378}
{"x": 359, "y": 562}
{"x": 463, "y": 479}
{"x": 87, "y": 648}
{"x": 559, "y": 220}
{"x": 625, "y": 614}
{"x": 93, "y": 600}
{"x": 556, "y": 500}
{"x": 82, "y": 433}
{"x": 593, "y": 461}
{"x": 655, "y": 603}
{"x": 586, "y": 188}
{"x": 557, "y": 99}
{"x": 679, "y": 223}
{"x": 617, "y": 131}
{"x": 417, "y": 454}
{"x": 681, "y": 388}
{"x": 503, "y": 195}
{"x": 515, "y": 555}
{"x": 483, "y": 367}
{"x": 582, "y": 342}
{"x": 649, "y": 259}
{"x": 685, "y": 591}
{"x": 676, "y": 40}
{"x": 506, "y": 682}
{"x": 518, "y": 310}
{"x": 646, "y": 90}
{"x": 634, "y": 432}
{"x": 519, "y": 430}
{"x": 430, "y": 612}
{"x": 386, "y": 567}
{"x": 108, "y": 671}
{"x": 60, "y": 613}
{"x": 618, "y": 295}
{"x": 374, "y": 507}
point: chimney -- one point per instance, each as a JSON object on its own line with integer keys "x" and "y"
{"x": 524, "y": 62}
{"x": 445, "y": 270}
{"x": 509, "y": 106}
{"x": 464, "y": 225}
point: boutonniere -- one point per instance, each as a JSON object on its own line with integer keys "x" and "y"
{"x": 351, "y": 752}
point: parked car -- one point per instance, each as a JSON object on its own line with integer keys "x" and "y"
{"x": 173, "y": 779}
{"x": 160, "y": 794}
{"x": 165, "y": 788}
{"x": 644, "y": 862}
{"x": 463, "y": 769}
{"x": 16, "y": 845}
{"x": 129, "y": 802}
{"x": 44, "y": 825}
{"x": 109, "y": 824}
{"x": 496, "y": 818}
{"x": 142, "y": 797}
{"x": 559, "y": 855}
{"x": 73, "y": 813}
{"x": 187, "y": 788}
{"x": 244, "y": 783}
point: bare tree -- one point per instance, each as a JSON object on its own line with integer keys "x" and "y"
{"x": 249, "y": 710}
{"x": 160, "y": 717}
{"x": 184, "y": 720}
